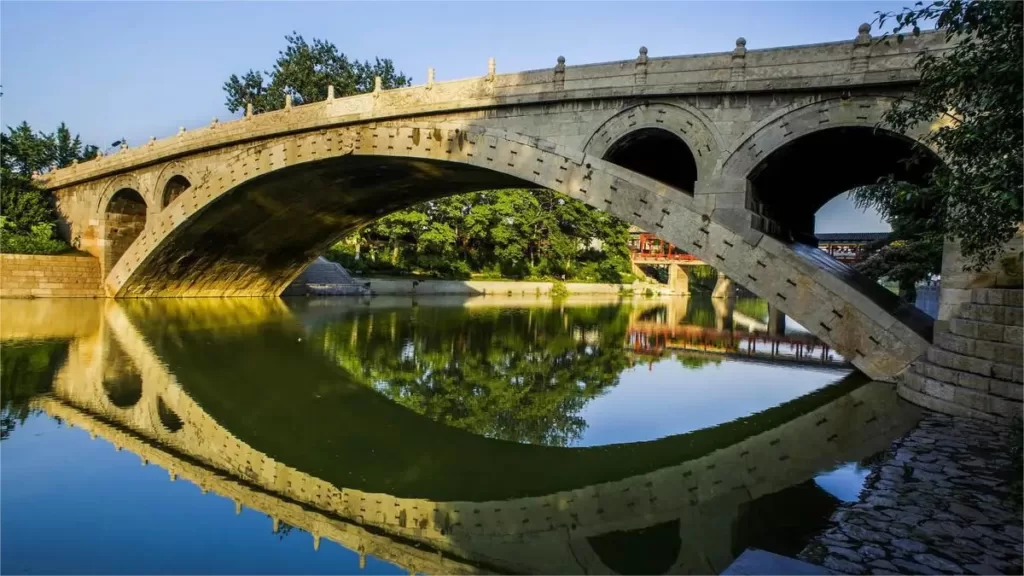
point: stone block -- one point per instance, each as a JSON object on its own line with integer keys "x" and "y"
{"x": 1008, "y": 315}
{"x": 1008, "y": 390}
{"x": 997, "y": 297}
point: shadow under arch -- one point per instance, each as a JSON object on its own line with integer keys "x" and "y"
{"x": 124, "y": 219}
{"x": 793, "y": 182}
{"x": 658, "y": 154}
{"x": 174, "y": 188}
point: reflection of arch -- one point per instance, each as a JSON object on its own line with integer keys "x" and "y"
{"x": 656, "y": 153}
{"x": 648, "y": 550}
{"x": 689, "y": 124}
{"x": 124, "y": 219}
{"x": 173, "y": 188}
{"x": 122, "y": 382}
{"x": 168, "y": 418}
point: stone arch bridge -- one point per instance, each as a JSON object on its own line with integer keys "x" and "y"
{"x": 725, "y": 155}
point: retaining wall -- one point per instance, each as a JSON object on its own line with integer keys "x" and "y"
{"x": 32, "y": 276}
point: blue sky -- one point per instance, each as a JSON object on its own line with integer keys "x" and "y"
{"x": 141, "y": 69}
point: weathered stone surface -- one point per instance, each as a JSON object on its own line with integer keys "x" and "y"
{"x": 938, "y": 563}
{"x": 842, "y": 566}
{"x": 970, "y": 527}
{"x": 908, "y": 546}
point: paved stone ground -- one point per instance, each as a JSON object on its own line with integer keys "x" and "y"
{"x": 938, "y": 503}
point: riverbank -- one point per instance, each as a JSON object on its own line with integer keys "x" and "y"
{"x": 940, "y": 501}
{"x": 398, "y": 286}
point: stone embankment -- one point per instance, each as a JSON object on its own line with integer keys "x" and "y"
{"x": 939, "y": 503}
{"x": 32, "y": 276}
{"x": 975, "y": 368}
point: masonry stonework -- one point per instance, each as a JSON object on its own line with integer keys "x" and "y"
{"x": 31, "y": 276}
{"x": 266, "y": 194}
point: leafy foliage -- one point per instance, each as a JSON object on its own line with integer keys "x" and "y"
{"x": 972, "y": 96}
{"x": 29, "y": 217}
{"x": 305, "y": 70}
{"x": 520, "y": 374}
{"x": 512, "y": 233}
{"x": 26, "y": 370}
{"x": 913, "y": 251}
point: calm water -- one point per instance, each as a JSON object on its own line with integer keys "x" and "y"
{"x": 432, "y": 435}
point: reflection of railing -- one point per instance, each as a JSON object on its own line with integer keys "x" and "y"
{"x": 796, "y": 348}
{"x": 648, "y": 247}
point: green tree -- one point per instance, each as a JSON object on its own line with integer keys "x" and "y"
{"x": 305, "y": 70}
{"x": 975, "y": 88}
{"x": 28, "y": 214}
{"x": 913, "y": 251}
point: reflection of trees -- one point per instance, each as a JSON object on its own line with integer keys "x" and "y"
{"x": 756, "y": 308}
{"x": 26, "y": 370}
{"x": 514, "y": 374}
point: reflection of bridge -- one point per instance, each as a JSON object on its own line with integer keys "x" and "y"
{"x": 727, "y": 155}
{"x": 655, "y": 328}
{"x": 698, "y": 503}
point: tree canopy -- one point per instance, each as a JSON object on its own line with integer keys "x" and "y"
{"x": 972, "y": 96}
{"x": 28, "y": 216}
{"x": 305, "y": 70}
{"x": 514, "y": 233}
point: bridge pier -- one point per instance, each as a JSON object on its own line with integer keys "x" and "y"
{"x": 678, "y": 279}
{"x": 776, "y": 321}
{"x": 723, "y": 287}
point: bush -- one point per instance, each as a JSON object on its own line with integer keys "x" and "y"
{"x": 39, "y": 240}
{"x": 559, "y": 290}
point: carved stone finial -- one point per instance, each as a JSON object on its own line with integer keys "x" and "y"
{"x": 248, "y": 109}
{"x": 740, "y": 51}
{"x": 430, "y": 78}
{"x": 330, "y": 92}
{"x": 559, "y": 77}
{"x": 316, "y": 542}
{"x": 238, "y": 507}
{"x": 75, "y": 163}
{"x": 152, "y": 140}
{"x": 863, "y": 35}
{"x": 181, "y": 130}
{"x": 99, "y": 153}
{"x": 491, "y": 68}
{"x": 287, "y": 101}
{"x": 213, "y": 123}
{"x": 641, "y": 60}
{"x": 173, "y": 476}
{"x": 377, "y": 84}
{"x": 124, "y": 146}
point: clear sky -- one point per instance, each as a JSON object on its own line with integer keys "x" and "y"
{"x": 140, "y": 69}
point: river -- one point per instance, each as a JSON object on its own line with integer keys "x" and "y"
{"x": 427, "y": 434}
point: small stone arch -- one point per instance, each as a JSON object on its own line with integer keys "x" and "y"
{"x": 688, "y": 124}
{"x": 173, "y": 179}
{"x": 124, "y": 219}
{"x": 800, "y": 119}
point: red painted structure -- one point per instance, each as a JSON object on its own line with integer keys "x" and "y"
{"x": 648, "y": 247}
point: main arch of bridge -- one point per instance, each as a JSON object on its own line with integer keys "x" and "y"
{"x": 240, "y": 208}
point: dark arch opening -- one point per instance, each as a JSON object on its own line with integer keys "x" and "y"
{"x": 168, "y": 418}
{"x": 650, "y": 550}
{"x": 124, "y": 220}
{"x": 174, "y": 188}
{"x": 121, "y": 380}
{"x": 792, "y": 183}
{"x": 657, "y": 154}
